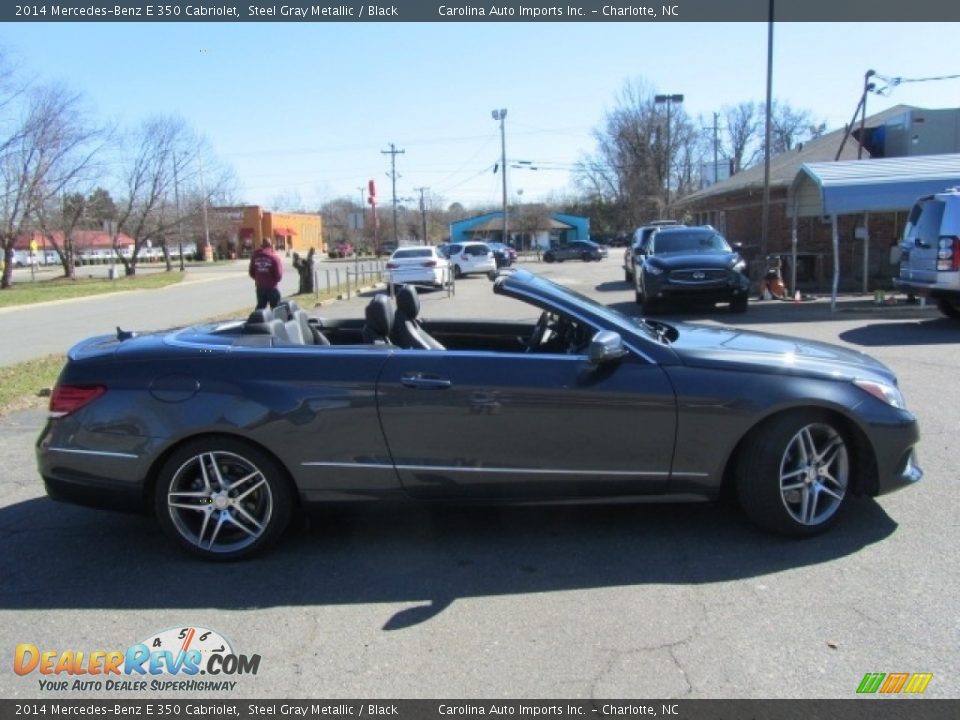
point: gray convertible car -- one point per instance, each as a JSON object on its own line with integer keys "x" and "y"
{"x": 225, "y": 430}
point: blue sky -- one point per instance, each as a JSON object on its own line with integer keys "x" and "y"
{"x": 307, "y": 108}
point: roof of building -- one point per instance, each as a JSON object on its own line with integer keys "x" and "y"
{"x": 881, "y": 185}
{"x": 784, "y": 167}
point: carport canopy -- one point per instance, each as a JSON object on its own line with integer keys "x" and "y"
{"x": 850, "y": 187}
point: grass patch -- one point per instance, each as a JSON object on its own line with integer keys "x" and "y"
{"x": 21, "y": 385}
{"x": 27, "y": 293}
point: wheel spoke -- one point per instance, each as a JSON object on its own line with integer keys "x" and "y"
{"x": 794, "y": 486}
{"x": 203, "y": 528}
{"x": 221, "y": 483}
{"x": 810, "y": 501}
{"x": 216, "y": 530}
{"x": 261, "y": 481}
{"x": 832, "y": 449}
{"x": 187, "y": 506}
{"x": 250, "y": 519}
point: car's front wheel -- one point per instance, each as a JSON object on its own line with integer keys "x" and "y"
{"x": 548, "y": 257}
{"x": 793, "y": 473}
{"x": 222, "y": 498}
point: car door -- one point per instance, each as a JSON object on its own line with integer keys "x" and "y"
{"x": 485, "y": 424}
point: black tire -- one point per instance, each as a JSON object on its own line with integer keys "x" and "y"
{"x": 627, "y": 276}
{"x": 789, "y": 461}
{"x": 586, "y": 257}
{"x": 738, "y": 304}
{"x": 648, "y": 306}
{"x": 231, "y": 483}
{"x": 548, "y": 257}
{"x": 948, "y": 308}
{"x": 638, "y": 296}
{"x": 457, "y": 272}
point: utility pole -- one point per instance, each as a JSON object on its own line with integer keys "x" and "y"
{"x": 765, "y": 210}
{"x": 716, "y": 167}
{"x": 501, "y": 115}
{"x": 176, "y": 199}
{"x": 423, "y": 213}
{"x": 393, "y": 152}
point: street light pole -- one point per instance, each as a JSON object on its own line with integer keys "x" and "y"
{"x": 669, "y": 100}
{"x": 501, "y": 116}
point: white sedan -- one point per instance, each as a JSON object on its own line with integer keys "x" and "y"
{"x": 418, "y": 265}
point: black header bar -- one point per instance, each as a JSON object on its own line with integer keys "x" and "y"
{"x": 851, "y": 11}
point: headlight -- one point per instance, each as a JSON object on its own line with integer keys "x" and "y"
{"x": 889, "y": 394}
{"x": 653, "y": 269}
{"x": 740, "y": 267}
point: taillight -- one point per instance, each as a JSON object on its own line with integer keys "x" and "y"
{"x": 430, "y": 263}
{"x": 66, "y": 399}
{"x": 392, "y": 265}
{"x": 948, "y": 254}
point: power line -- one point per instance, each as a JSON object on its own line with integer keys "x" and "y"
{"x": 892, "y": 82}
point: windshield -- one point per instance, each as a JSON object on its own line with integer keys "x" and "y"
{"x": 614, "y": 318}
{"x": 689, "y": 242}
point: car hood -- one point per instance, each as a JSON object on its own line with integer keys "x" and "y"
{"x": 748, "y": 351}
{"x": 677, "y": 261}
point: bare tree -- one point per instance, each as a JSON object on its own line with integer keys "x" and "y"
{"x": 633, "y": 166}
{"x": 50, "y": 148}
{"x": 742, "y": 128}
{"x": 162, "y": 153}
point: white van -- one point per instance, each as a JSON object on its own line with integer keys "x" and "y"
{"x": 930, "y": 251}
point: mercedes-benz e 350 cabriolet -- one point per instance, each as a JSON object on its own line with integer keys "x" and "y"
{"x": 225, "y": 430}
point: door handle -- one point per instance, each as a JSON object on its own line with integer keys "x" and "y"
{"x": 422, "y": 380}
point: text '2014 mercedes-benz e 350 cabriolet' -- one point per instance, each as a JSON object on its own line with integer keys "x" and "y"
{"x": 225, "y": 430}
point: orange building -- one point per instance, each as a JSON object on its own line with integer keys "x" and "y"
{"x": 237, "y": 231}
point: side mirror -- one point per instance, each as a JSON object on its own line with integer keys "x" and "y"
{"x": 605, "y": 346}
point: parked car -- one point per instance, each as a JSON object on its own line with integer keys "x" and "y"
{"x": 468, "y": 258}
{"x": 418, "y": 265}
{"x": 504, "y": 255}
{"x": 577, "y": 250}
{"x": 930, "y": 251}
{"x": 639, "y": 237}
{"x": 223, "y": 429}
{"x": 692, "y": 264}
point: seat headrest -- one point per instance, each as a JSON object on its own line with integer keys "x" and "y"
{"x": 263, "y": 315}
{"x": 379, "y": 315}
{"x": 408, "y": 302}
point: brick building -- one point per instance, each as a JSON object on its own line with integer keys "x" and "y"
{"x": 236, "y": 231}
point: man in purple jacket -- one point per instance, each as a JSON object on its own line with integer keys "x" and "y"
{"x": 266, "y": 269}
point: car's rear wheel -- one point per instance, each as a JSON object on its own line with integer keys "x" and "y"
{"x": 586, "y": 257}
{"x": 548, "y": 257}
{"x": 222, "y": 498}
{"x": 948, "y": 308}
{"x": 457, "y": 272}
{"x": 793, "y": 473}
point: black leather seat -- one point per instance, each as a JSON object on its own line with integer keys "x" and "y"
{"x": 378, "y": 323}
{"x": 408, "y": 332}
{"x": 263, "y": 322}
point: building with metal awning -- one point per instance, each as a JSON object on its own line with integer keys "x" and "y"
{"x": 830, "y": 190}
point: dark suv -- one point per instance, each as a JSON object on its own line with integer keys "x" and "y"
{"x": 694, "y": 264}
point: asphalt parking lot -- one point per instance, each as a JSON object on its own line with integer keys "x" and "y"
{"x": 655, "y": 602}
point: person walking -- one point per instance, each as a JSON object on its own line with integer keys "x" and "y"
{"x": 266, "y": 269}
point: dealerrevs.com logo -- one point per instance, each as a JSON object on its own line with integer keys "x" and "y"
{"x": 172, "y": 660}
